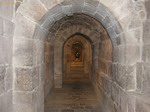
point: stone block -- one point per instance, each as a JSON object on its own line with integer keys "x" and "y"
{"x": 6, "y": 102}
{"x": 146, "y": 78}
{"x": 49, "y": 4}
{"x": 2, "y": 72}
{"x": 119, "y": 54}
{"x": 48, "y": 47}
{"x": 146, "y": 53}
{"x": 133, "y": 51}
{"x": 106, "y": 83}
{"x": 8, "y": 79}
{"x": 134, "y": 36}
{"x": 146, "y": 31}
{"x": 23, "y": 97}
{"x": 24, "y": 52}
{"x": 139, "y": 76}
{"x": 38, "y": 102}
{"x": 130, "y": 21}
{"x": 1, "y": 26}
{"x": 48, "y": 22}
{"x": 116, "y": 26}
{"x": 5, "y": 51}
{"x": 98, "y": 16}
{"x": 59, "y": 16}
{"x": 24, "y": 27}
{"x": 123, "y": 101}
{"x": 9, "y": 5}
{"x": 8, "y": 29}
{"x": 131, "y": 103}
{"x": 92, "y": 2}
{"x": 102, "y": 10}
{"x": 2, "y": 87}
{"x": 88, "y": 8}
{"x": 58, "y": 67}
{"x": 42, "y": 72}
{"x": 114, "y": 71}
{"x": 139, "y": 6}
{"x": 77, "y": 5}
{"x": 116, "y": 93}
{"x": 119, "y": 40}
{"x": 56, "y": 13}
{"x": 39, "y": 52}
{"x": 47, "y": 58}
{"x": 20, "y": 107}
{"x": 115, "y": 54}
{"x": 67, "y": 10}
{"x": 111, "y": 32}
{"x": 31, "y": 10}
{"x": 96, "y": 51}
{"x": 58, "y": 80}
{"x": 40, "y": 33}
{"x": 147, "y": 2}
{"x": 55, "y": 10}
{"x": 26, "y": 78}
{"x": 103, "y": 66}
{"x": 142, "y": 104}
{"x": 122, "y": 8}
{"x": 107, "y": 22}
{"x": 130, "y": 78}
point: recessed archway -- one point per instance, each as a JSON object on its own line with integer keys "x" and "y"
{"x": 77, "y": 59}
{"x": 32, "y": 28}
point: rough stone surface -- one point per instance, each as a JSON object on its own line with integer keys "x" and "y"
{"x": 31, "y": 10}
{"x": 5, "y": 51}
{"x": 1, "y": 26}
{"x": 147, "y": 8}
{"x": 127, "y": 25}
{"x": 9, "y": 5}
{"x": 8, "y": 29}
{"x": 26, "y": 79}
{"x": 146, "y": 53}
{"x": 146, "y": 32}
{"x": 24, "y": 52}
{"x": 25, "y": 27}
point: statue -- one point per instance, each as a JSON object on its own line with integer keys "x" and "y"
{"x": 77, "y": 54}
{"x": 77, "y": 51}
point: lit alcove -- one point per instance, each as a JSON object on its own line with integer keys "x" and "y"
{"x": 77, "y": 59}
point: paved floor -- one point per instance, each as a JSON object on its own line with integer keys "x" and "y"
{"x": 75, "y": 97}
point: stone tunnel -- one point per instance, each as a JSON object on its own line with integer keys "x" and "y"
{"x": 97, "y": 51}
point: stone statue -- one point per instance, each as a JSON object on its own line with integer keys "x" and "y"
{"x": 77, "y": 54}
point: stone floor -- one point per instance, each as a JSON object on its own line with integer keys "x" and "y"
{"x": 74, "y": 97}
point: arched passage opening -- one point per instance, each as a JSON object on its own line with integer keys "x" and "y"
{"x": 77, "y": 59}
{"x": 101, "y": 47}
{"x": 48, "y": 29}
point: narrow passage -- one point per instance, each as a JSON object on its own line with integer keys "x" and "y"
{"x": 77, "y": 96}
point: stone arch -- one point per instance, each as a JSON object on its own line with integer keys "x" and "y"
{"x": 96, "y": 36}
{"x": 75, "y": 68}
{"x": 32, "y": 27}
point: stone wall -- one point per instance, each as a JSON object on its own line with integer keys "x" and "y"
{"x": 127, "y": 24}
{"x": 49, "y": 67}
{"x": 71, "y": 25}
{"x": 33, "y": 65}
{"x": 6, "y": 49}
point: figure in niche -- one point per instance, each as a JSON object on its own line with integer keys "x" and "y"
{"x": 77, "y": 51}
{"x": 77, "y": 54}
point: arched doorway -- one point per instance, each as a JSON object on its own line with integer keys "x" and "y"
{"x": 121, "y": 25}
{"x": 77, "y": 59}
